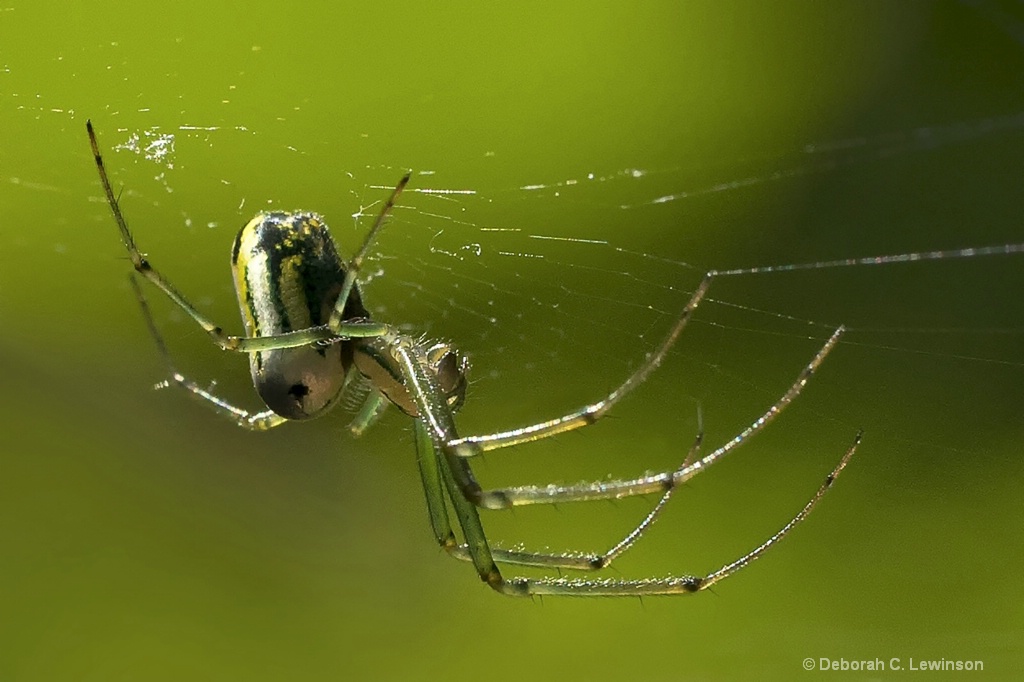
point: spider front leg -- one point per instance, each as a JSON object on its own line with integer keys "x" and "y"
{"x": 337, "y": 326}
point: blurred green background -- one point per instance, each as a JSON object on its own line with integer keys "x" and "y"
{"x": 144, "y": 538}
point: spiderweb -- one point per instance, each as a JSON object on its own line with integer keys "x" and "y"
{"x": 556, "y": 288}
{"x": 552, "y": 281}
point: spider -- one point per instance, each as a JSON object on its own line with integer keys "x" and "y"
{"x": 309, "y": 339}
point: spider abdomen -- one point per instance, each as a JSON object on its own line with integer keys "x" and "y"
{"x": 288, "y": 275}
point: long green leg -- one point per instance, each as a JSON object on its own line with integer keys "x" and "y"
{"x": 472, "y": 446}
{"x": 570, "y": 587}
{"x": 657, "y": 483}
{"x": 433, "y": 471}
{"x": 634, "y": 535}
{"x": 579, "y": 587}
{"x": 473, "y": 531}
{"x": 253, "y": 421}
{"x": 433, "y": 487}
{"x": 436, "y": 424}
{"x": 578, "y": 560}
{"x": 441, "y": 525}
{"x": 426, "y": 458}
{"x": 568, "y": 560}
{"x": 333, "y": 331}
{"x": 433, "y": 427}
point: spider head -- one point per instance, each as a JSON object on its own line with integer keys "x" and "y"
{"x": 450, "y": 368}
{"x": 377, "y": 362}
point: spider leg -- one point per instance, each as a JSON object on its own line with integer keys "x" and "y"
{"x": 657, "y": 483}
{"x": 430, "y": 474}
{"x": 433, "y": 487}
{"x": 252, "y": 421}
{"x": 444, "y": 471}
{"x": 330, "y": 332}
{"x": 356, "y": 263}
{"x": 372, "y": 409}
{"x": 634, "y": 535}
{"x": 477, "y": 547}
{"x": 472, "y": 446}
{"x": 574, "y": 587}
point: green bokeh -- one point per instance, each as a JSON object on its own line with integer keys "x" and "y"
{"x": 143, "y": 538}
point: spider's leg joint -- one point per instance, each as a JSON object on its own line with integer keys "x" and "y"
{"x": 490, "y": 499}
{"x": 692, "y": 584}
{"x": 466, "y": 449}
{"x": 493, "y": 578}
{"x": 514, "y": 587}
